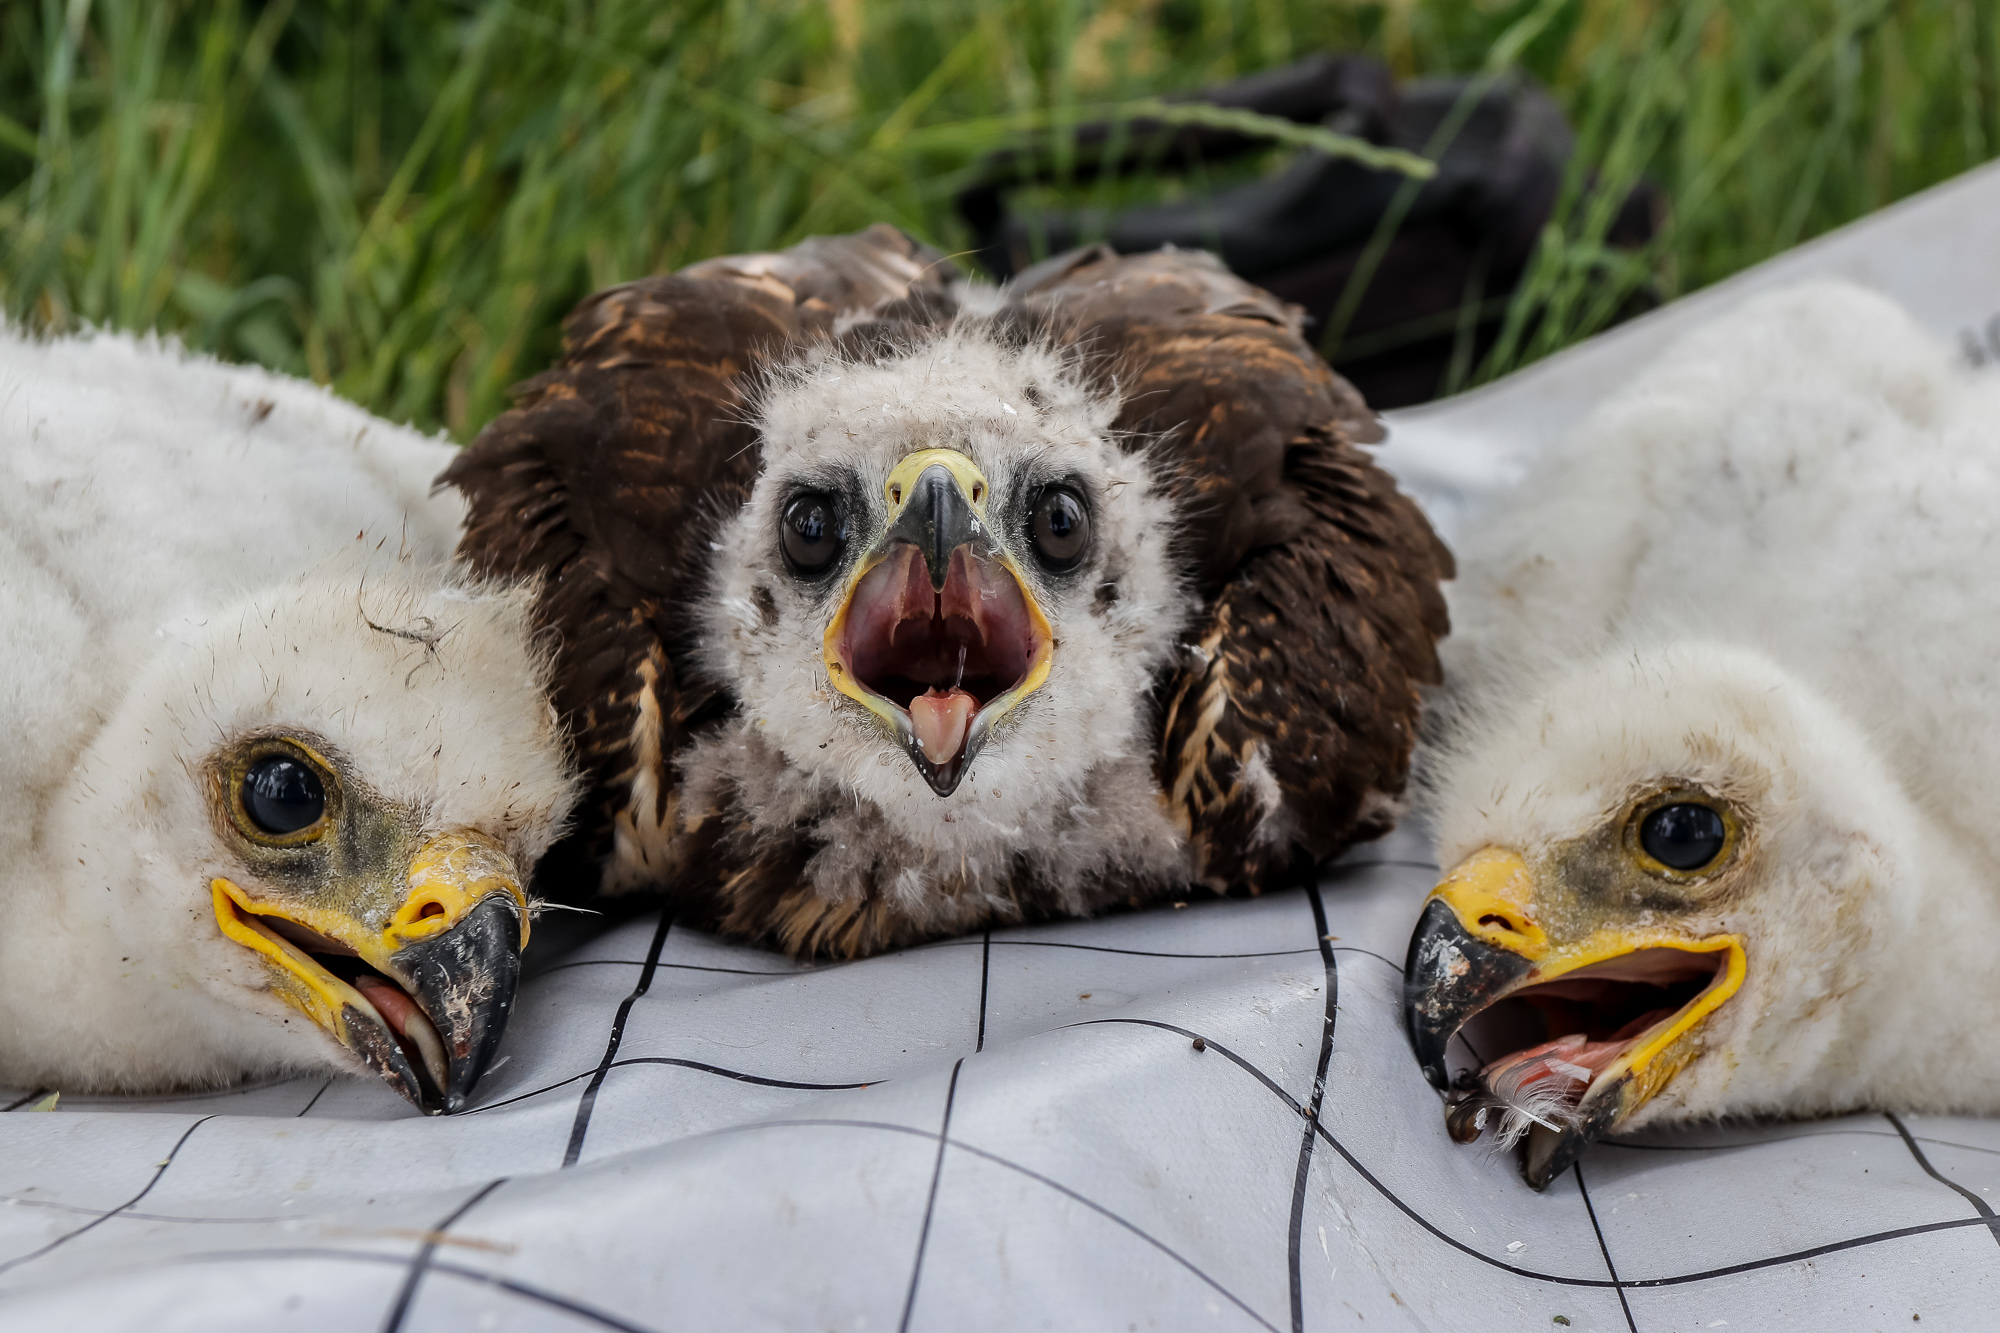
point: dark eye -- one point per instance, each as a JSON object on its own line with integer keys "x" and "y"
{"x": 1685, "y": 836}
{"x": 812, "y": 533}
{"x": 1059, "y": 527}
{"x": 283, "y": 795}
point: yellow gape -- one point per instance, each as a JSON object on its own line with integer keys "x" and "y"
{"x": 461, "y": 881}
{"x": 1491, "y": 893}
{"x": 969, "y": 525}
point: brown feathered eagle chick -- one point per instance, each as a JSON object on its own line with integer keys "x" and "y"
{"x": 889, "y": 605}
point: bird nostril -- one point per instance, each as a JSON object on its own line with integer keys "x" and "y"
{"x": 432, "y": 908}
{"x": 977, "y": 491}
{"x": 895, "y": 495}
{"x": 1491, "y": 919}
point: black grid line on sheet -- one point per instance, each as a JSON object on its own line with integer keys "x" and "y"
{"x": 1007, "y": 1164}
{"x": 1208, "y": 1044}
{"x": 930, "y": 1201}
{"x": 1979, "y": 1205}
{"x": 1314, "y": 1129}
{"x": 1792, "y": 1138}
{"x": 1111, "y": 1216}
{"x": 1369, "y": 953}
{"x": 989, "y": 943}
{"x": 1144, "y": 953}
{"x": 588, "y": 1102}
{"x": 420, "y": 1262}
{"x": 104, "y": 1217}
{"x": 1603, "y": 1247}
{"x": 315, "y": 1100}
{"x": 20, "y": 1102}
{"x": 513, "y": 1287}
{"x": 1634, "y": 1284}
{"x": 1555, "y": 1279}
{"x": 737, "y": 1075}
{"x": 678, "y": 967}
{"x": 613, "y": 1321}
{"x": 985, "y": 974}
{"x": 1304, "y": 1172}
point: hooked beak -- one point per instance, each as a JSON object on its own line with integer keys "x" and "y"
{"x": 1579, "y": 1033}
{"x": 938, "y": 635}
{"x": 421, "y": 997}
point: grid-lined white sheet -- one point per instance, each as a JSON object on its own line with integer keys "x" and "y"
{"x": 1186, "y": 1118}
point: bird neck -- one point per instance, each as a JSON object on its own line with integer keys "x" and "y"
{"x": 1919, "y": 1024}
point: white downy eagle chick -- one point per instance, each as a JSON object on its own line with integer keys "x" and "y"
{"x": 272, "y": 775}
{"x": 1719, "y": 770}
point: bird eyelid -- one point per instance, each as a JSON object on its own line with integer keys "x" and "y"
{"x": 1660, "y": 798}
{"x": 1059, "y": 549}
{"x": 232, "y": 774}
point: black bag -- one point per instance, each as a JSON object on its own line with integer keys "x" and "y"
{"x": 1467, "y": 236}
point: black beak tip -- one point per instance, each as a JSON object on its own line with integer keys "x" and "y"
{"x": 1448, "y": 976}
{"x": 1549, "y": 1153}
{"x": 943, "y": 778}
{"x": 465, "y": 980}
{"x": 379, "y": 1050}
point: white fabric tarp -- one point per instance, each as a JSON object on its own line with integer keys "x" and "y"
{"x": 1018, "y": 1130}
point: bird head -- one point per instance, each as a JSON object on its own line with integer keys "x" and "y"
{"x": 304, "y": 837}
{"x": 949, "y": 583}
{"x": 1673, "y": 877}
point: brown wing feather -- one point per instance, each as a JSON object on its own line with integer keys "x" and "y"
{"x": 1287, "y": 734}
{"x": 606, "y": 477}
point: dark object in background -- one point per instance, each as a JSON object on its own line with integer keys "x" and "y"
{"x": 1467, "y": 236}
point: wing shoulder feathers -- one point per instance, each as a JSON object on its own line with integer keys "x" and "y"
{"x": 605, "y": 479}
{"x": 1287, "y": 734}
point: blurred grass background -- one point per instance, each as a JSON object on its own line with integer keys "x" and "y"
{"x": 402, "y": 197}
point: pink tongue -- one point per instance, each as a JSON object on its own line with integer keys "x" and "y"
{"x": 940, "y": 721}
{"x": 1571, "y": 1059}
{"x": 395, "y": 1007}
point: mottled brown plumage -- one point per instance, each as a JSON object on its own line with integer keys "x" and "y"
{"x": 1319, "y": 579}
{"x": 1283, "y": 727}
{"x": 605, "y": 477}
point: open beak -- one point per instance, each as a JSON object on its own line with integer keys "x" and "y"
{"x": 1571, "y": 1037}
{"x": 421, "y": 996}
{"x": 938, "y": 635}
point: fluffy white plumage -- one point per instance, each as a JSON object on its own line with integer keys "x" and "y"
{"x": 1763, "y": 572}
{"x": 191, "y": 553}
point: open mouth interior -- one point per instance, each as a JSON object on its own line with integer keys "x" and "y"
{"x": 1539, "y": 1050}
{"x": 397, "y": 1008}
{"x": 938, "y": 656}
